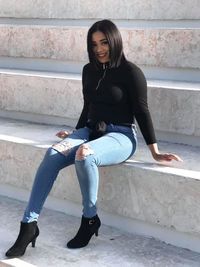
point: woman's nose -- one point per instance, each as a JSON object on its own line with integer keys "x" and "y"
{"x": 99, "y": 48}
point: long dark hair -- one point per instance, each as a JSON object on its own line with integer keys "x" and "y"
{"x": 110, "y": 30}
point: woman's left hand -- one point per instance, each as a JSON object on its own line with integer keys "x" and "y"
{"x": 162, "y": 156}
{"x": 166, "y": 157}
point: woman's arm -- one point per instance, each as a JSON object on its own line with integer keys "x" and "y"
{"x": 138, "y": 93}
{"x": 137, "y": 90}
{"x": 83, "y": 117}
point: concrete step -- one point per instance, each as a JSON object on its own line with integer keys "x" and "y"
{"x": 48, "y": 94}
{"x": 57, "y": 98}
{"x": 114, "y": 9}
{"x": 163, "y": 199}
{"x": 170, "y": 105}
{"x": 113, "y": 247}
{"x": 158, "y": 47}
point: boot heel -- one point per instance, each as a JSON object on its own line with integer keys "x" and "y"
{"x": 97, "y": 232}
{"x": 33, "y": 242}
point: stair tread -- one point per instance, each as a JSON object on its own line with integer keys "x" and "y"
{"x": 43, "y": 136}
{"x": 169, "y": 84}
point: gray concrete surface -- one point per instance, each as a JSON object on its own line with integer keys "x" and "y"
{"x": 112, "y": 248}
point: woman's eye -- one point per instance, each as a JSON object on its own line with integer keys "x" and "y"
{"x": 105, "y": 43}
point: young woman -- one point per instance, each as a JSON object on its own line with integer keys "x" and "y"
{"x": 115, "y": 94}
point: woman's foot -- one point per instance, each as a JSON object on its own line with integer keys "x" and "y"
{"x": 88, "y": 227}
{"x": 28, "y": 234}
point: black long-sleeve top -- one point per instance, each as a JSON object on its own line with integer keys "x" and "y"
{"x": 116, "y": 95}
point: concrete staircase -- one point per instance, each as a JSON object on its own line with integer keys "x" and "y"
{"x": 42, "y": 51}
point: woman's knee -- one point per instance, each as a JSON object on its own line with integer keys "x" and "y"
{"x": 53, "y": 157}
{"x": 83, "y": 151}
{"x": 50, "y": 153}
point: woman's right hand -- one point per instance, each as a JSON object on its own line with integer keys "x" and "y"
{"x": 63, "y": 134}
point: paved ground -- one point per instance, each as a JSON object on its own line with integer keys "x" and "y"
{"x": 111, "y": 248}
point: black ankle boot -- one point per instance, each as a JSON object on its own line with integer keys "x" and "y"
{"x": 89, "y": 227}
{"x": 28, "y": 234}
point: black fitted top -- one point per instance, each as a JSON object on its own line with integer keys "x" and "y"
{"x": 116, "y": 95}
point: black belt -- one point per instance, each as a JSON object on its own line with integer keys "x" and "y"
{"x": 91, "y": 124}
{"x": 124, "y": 124}
{"x": 129, "y": 125}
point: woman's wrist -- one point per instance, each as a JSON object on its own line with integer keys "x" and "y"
{"x": 154, "y": 149}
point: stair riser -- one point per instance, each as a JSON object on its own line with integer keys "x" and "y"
{"x": 45, "y": 96}
{"x": 170, "y": 108}
{"x": 177, "y": 48}
{"x": 129, "y": 191}
{"x": 175, "y": 111}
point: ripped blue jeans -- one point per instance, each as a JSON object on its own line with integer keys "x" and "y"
{"x": 115, "y": 146}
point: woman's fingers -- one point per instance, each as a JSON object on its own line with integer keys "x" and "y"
{"x": 167, "y": 157}
{"x": 62, "y": 134}
{"x": 173, "y": 157}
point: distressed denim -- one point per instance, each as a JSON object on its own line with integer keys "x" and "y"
{"x": 114, "y": 147}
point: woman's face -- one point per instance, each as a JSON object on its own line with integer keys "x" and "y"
{"x": 100, "y": 47}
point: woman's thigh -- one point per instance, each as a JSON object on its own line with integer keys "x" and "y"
{"x": 69, "y": 145}
{"x": 114, "y": 147}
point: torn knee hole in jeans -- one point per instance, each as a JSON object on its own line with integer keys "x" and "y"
{"x": 63, "y": 147}
{"x": 83, "y": 151}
